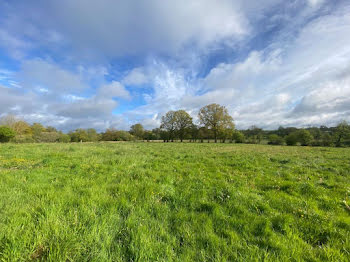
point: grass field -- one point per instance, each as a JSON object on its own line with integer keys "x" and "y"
{"x": 173, "y": 202}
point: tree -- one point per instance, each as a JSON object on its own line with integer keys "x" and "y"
{"x": 6, "y": 133}
{"x": 37, "y": 129}
{"x": 342, "y": 131}
{"x": 22, "y": 128}
{"x": 64, "y": 138}
{"x": 304, "y": 137}
{"x": 275, "y": 140}
{"x": 255, "y": 133}
{"x": 226, "y": 131}
{"x": 215, "y": 118}
{"x": 137, "y": 130}
{"x": 194, "y": 132}
{"x": 169, "y": 124}
{"x": 92, "y": 134}
{"x": 238, "y": 136}
{"x": 326, "y": 139}
{"x": 292, "y": 139}
{"x": 51, "y": 129}
{"x": 8, "y": 120}
{"x": 183, "y": 123}
{"x": 79, "y": 135}
{"x": 202, "y": 133}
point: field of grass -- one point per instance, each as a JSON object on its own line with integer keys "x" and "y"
{"x": 173, "y": 202}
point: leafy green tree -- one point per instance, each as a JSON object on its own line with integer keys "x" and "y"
{"x": 48, "y": 137}
{"x": 304, "y": 137}
{"x": 215, "y": 118}
{"x": 51, "y": 129}
{"x": 169, "y": 124}
{"x": 275, "y": 140}
{"x": 22, "y": 128}
{"x": 183, "y": 123}
{"x": 79, "y": 135}
{"x": 6, "y": 133}
{"x": 202, "y": 133}
{"x": 92, "y": 134}
{"x": 292, "y": 139}
{"x": 226, "y": 131}
{"x": 255, "y": 134}
{"x": 238, "y": 136}
{"x": 342, "y": 132}
{"x": 63, "y": 138}
{"x": 137, "y": 130}
{"x": 194, "y": 131}
{"x": 156, "y": 133}
{"x": 37, "y": 129}
{"x": 326, "y": 139}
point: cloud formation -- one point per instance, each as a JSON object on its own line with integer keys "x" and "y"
{"x": 114, "y": 63}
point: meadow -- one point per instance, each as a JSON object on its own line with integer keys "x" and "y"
{"x": 173, "y": 202}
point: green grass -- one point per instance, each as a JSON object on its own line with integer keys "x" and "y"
{"x": 173, "y": 202}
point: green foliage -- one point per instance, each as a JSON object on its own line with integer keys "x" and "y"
{"x": 173, "y": 202}
{"x": 6, "y": 133}
{"x": 183, "y": 123}
{"x": 304, "y": 137}
{"x": 137, "y": 131}
{"x": 19, "y": 139}
{"x": 342, "y": 132}
{"x": 275, "y": 140}
{"x": 292, "y": 139}
{"x": 116, "y": 135}
{"x": 79, "y": 135}
{"x": 48, "y": 137}
{"x": 238, "y": 137}
{"x": 37, "y": 129}
{"x": 64, "y": 138}
{"x": 169, "y": 124}
{"x": 216, "y": 118}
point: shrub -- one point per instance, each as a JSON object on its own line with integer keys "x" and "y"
{"x": 23, "y": 139}
{"x": 48, "y": 137}
{"x": 275, "y": 140}
{"x": 238, "y": 137}
{"x": 304, "y": 137}
{"x": 6, "y": 133}
{"x": 292, "y": 139}
{"x": 63, "y": 138}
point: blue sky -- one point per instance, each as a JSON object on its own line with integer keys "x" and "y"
{"x": 78, "y": 64}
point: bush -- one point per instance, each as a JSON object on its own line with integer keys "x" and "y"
{"x": 304, "y": 137}
{"x": 238, "y": 137}
{"x": 63, "y": 138}
{"x": 23, "y": 139}
{"x": 6, "y": 133}
{"x": 48, "y": 137}
{"x": 275, "y": 140}
{"x": 292, "y": 139}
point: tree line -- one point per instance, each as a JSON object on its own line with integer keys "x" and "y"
{"x": 214, "y": 125}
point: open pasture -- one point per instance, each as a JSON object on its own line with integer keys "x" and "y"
{"x": 173, "y": 202}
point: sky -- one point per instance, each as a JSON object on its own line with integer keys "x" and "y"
{"x": 113, "y": 63}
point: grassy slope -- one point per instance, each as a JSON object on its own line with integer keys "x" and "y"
{"x": 180, "y": 202}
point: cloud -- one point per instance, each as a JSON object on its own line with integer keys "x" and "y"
{"x": 136, "y": 77}
{"x": 113, "y": 89}
{"x": 38, "y": 73}
{"x": 272, "y": 63}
